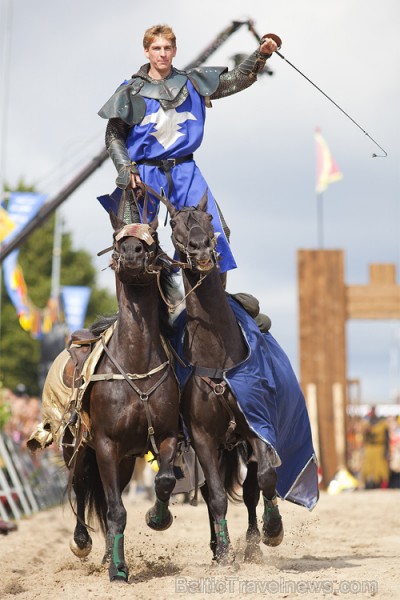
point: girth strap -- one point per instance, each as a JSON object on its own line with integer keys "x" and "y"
{"x": 219, "y": 390}
{"x": 208, "y": 372}
{"x": 144, "y": 396}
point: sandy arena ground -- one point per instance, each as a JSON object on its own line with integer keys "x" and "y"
{"x": 349, "y": 546}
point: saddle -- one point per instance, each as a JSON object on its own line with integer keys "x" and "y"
{"x": 80, "y": 346}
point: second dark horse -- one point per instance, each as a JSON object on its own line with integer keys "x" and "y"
{"x": 213, "y": 344}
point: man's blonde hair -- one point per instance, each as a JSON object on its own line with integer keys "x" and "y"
{"x": 156, "y": 31}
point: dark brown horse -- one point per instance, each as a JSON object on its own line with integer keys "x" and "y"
{"x": 131, "y": 405}
{"x": 213, "y": 344}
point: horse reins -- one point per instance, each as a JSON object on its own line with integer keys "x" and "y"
{"x": 204, "y": 373}
{"x": 146, "y": 191}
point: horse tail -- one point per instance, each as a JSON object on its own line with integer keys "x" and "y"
{"x": 86, "y": 475}
{"x": 232, "y": 461}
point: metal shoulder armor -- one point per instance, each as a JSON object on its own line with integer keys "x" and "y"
{"x": 126, "y": 103}
{"x": 206, "y": 79}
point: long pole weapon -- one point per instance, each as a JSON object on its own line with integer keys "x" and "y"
{"x": 278, "y": 41}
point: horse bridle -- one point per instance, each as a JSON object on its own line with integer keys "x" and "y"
{"x": 142, "y": 232}
{"x": 189, "y": 210}
{"x": 148, "y": 191}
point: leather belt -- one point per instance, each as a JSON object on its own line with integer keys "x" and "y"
{"x": 166, "y": 164}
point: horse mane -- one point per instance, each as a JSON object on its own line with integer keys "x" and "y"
{"x": 102, "y": 323}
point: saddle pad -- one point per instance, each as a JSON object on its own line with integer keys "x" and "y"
{"x": 56, "y": 398}
{"x": 270, "y": 398}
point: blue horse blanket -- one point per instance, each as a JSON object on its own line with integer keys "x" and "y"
{"x": 269, "y": 396}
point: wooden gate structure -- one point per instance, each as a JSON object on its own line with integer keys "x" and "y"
{"x": 325, "y": 304}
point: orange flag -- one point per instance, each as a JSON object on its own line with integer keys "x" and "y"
{"x": 327, "y": 170}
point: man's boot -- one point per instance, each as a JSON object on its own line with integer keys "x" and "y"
{"x": 252, "y": 306}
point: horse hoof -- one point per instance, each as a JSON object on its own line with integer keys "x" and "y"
{"x": 154, "y": 523}
{"x": 225, "y": 558}
{"x": 119, "y": 579}
{"x": 80, "y": 552}
{"x": 273, "y": 540}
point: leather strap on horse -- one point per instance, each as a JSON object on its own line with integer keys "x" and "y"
{"x": 173, "y": 307}
{"x": 110, "y": 376}
{"x": 219, "y": 390}
{"x": 143, "y": 396}
{"x": 128, "y": 210}
{"x": 208, "y": 372}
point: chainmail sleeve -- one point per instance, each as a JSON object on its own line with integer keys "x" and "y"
{"x": 116, "y": 129}
{"x": 241, "y": 77}
{"x": 116, "y": 134}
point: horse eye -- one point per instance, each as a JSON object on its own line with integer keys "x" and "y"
{"x": 172, "y": 223}
{"x": 209, "y": 217}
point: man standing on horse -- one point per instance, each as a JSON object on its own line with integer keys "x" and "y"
{"x": 156, "y": 121}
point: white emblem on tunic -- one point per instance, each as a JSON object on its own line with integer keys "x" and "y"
{"x": 167, "y": 126}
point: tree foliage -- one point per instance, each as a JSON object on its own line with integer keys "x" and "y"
{"x": 19, "y": 352}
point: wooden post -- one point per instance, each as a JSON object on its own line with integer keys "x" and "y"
{"x": 325, "y": 304}
{"x": 322, "y": 314}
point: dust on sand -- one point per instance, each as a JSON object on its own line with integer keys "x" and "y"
{"x": 349, "y": 546}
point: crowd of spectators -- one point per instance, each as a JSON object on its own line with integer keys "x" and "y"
{"x": 374, "y": 449}
{"x": 19, "y": 415}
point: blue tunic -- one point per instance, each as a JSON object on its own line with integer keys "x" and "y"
{"x": 171, "y": 134}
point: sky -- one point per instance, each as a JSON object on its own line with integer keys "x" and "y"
{"x": 62, "y": 60}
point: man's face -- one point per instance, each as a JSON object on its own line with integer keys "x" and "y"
{"x": 160, "y": 55}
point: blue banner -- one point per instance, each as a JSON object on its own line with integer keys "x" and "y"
{"x": 22, "y": 206}
{"x": 75, "y": 301}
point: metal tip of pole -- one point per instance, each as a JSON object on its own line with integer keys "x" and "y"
{"x": 335, "y": 104}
